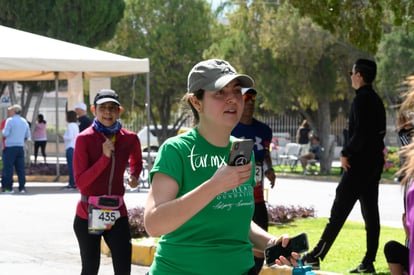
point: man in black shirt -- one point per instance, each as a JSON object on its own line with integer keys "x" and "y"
{"x": 84, "y": 120}
{"x": 362, "y": 160}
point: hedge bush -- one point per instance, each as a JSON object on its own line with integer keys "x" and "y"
{"x": 277, "y": 215}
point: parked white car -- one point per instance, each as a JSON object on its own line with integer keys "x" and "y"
{"x": 153, "y": 140}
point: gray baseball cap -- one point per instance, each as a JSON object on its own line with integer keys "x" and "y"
{"x": 213, "y": 75}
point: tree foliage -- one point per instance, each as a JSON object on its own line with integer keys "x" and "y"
{"x": 308, "y": 55}
{"x": 173, "y": 35}
{"x": 361, "y": 23}
{"x": 299, "y": 46}
{"x": 395, "y": 62}
{"x": 88, "y": 23}
{"x": 238, "y": 42}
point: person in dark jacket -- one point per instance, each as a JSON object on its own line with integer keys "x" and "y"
{"x": 362, "y": 160}
{"x": 83, "y": 119}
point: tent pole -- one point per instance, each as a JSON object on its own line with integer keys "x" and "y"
{"x": 57, "y": 125}
{"x": 147, "y": 105}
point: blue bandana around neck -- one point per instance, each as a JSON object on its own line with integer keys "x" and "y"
{"x": 107, "y": 130}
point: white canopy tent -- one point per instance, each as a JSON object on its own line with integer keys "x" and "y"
{"x": 26, "y": 56}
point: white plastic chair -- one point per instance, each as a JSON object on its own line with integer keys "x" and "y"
{"x": 291, "y": 155}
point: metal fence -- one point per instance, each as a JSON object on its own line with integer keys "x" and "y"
{"x": 290, "y": 124}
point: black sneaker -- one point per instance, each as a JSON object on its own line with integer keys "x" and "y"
{"x": 312, "y": 261}
{"x": 363, "y": 268}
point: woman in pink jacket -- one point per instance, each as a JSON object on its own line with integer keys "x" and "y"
{"x": 40, "y": 137}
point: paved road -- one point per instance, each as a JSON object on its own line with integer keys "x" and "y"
{"x": 36, "y": 233}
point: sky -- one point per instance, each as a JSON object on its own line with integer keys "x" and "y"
{"x": 214, "y": 3}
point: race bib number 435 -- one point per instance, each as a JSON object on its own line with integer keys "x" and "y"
{"x": 102, "y": 219}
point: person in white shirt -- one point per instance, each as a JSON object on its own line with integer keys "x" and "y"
{"x": 69, "y": 137}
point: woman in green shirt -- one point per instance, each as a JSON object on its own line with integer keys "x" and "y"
{"x": 201, "y": 207}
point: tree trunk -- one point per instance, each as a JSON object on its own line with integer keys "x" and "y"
{"x": 327, "y": 140}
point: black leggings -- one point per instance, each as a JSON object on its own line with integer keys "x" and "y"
{"x": 42, "y": 145}
{"x": 360, "y": 183}
{"x": 118, "y": 239}
{"x": 260, "y": 217}
{"x": 397, "y": 253}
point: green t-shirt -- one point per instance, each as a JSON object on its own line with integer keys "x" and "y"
{"x": 214, "y": 241}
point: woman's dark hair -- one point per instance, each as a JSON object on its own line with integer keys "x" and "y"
{"x": 71, "y": 116}
{"x": 41, "y": 119}
{"x": 186, "y": 104}
{"x": 367, "y": 69}
{"x": 305, "y": 124}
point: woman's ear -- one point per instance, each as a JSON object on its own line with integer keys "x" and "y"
{"x": 92, "y": 108}
{"x": 121, "y": 109}
{"x": 196, "y": 103}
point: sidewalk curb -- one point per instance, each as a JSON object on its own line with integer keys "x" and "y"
{"x": 43, "y": 178}
{"x": 142, "y": 254}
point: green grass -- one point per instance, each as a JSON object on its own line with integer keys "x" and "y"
{"x": 349, "y": 247}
